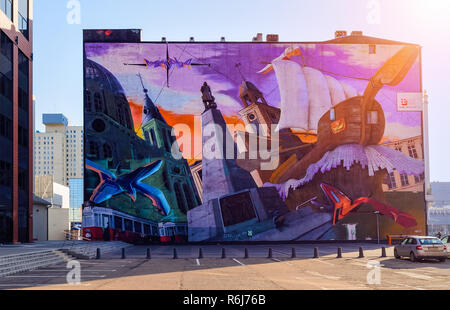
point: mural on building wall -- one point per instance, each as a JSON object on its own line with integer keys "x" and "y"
{"x": 337, "y": 129}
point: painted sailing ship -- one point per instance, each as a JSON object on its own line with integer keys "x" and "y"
{"x": 331, "y": 111}
{"x": 345, "y": 130}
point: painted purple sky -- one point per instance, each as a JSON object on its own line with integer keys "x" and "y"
{"x": 184, "y": 95}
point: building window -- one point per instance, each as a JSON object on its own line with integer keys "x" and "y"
{"x": 180, "y": 199}
{"x": 404, "y": 179}
{"x": 6, "y": 69}
{"x": 419, "y": 178}
{"x": 5, "y": 127}
{"x": 23, "y": 17}
{"x": 23, "y": 180}
{"x": 147, "y": 136}
{"x": 98, "y": 102}
{"x": 166, "y": 138}
{"x": 6, "y": 7}
{"x": 188, "y": 195}
{"x": 88, "y": 101}
{"x": 391, "y": 181}
{"x": 128, "y": 225}
{"x": 107, "y": 150}
{"x": 147, "y": 229}
{"x": 153, "y": 136}
{"x": 5, "y": 173}
{"x": 23, "y": 81}
{"x": 137, "y": 227}
{"x": 412, "y": 151}
{"x": 93, "y": 149}
{"x": 23, "y": 136}
{"x": 6, "y": 46}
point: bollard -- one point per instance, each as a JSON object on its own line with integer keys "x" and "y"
{"x": 270, "y": 253}
{"x": 294, "y": 254}
{"x": 175, "y": 254}
{"x": 123, "y": 253}
{"x": 316, "y": 252}
{"x": 223, "y": 253}
{"x": 149, "y": 254}
{"x": 383, "y": 252}
{"x": 98, "y": 253}
{"x": 361, "y": 252}
{"x": 246, "y": 253}
{"x": 339, "y": 253}
{"x": 200, "y": 253}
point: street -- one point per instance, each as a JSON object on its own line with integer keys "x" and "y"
{"x": 235, "y": 272}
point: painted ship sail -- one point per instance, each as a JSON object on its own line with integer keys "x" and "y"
{"x": 306, "y": 95}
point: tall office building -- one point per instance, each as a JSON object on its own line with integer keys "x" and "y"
{"x": 76, "y": 200}
{"x": 16, "y": 120}
{"x": 59, "y": 150}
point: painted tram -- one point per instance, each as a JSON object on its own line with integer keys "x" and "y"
{"x": 128, "y": 228}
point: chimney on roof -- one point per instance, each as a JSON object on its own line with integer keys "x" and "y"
{"x": 357, "y": 33}
{"x": 272, "y": 38}
{"x": 340, "y": 34}
{"x": 258, "y": 38}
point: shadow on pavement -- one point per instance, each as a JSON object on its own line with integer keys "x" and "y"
{"x": 113, "y": 266}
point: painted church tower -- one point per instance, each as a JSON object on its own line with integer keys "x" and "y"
{"x": 176, "y": 175}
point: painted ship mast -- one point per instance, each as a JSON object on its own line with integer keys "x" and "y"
{"x": 334, "y": 111}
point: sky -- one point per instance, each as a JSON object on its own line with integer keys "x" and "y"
{"x": 58, "y": 81}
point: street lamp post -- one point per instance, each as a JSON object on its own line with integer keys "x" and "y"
{"x": 378, "y": 225}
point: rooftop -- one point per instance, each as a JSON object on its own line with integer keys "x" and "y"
{"x": 54, "y": 119}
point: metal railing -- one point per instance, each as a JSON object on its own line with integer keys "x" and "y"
{"x": 6, "y": 7}
{"x": 23, "y": 25}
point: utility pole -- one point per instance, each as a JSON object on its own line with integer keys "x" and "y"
{"x": 426, "y": 154}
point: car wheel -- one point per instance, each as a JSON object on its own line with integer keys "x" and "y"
{"x": 412, "y": 257}
{"x": 396, "y": 254}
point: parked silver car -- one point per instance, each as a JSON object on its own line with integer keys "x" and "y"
{"x": 421, "y": 247}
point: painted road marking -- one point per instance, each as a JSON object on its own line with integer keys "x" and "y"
{"x": 323, "y": 262}
{"x": 67, "y": 270}
{"x": 313, "y": 273}
{"x": 280, "y": 261}
{"x": 281, "y": 252}
{"x": 359, "y": 263}
{"x": 238, "y": 262}
{"x": 99, "y": 276}
{"x": 414, "y": 275}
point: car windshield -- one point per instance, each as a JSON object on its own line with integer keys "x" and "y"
{"x": 430, "y": 241}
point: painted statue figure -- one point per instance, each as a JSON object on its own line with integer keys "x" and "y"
{"x": 207, "y": 97}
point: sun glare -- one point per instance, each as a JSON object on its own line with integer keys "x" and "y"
{"x": 433, "y": 11}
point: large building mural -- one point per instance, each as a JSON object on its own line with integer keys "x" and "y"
{"x": 203, "y": 142}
